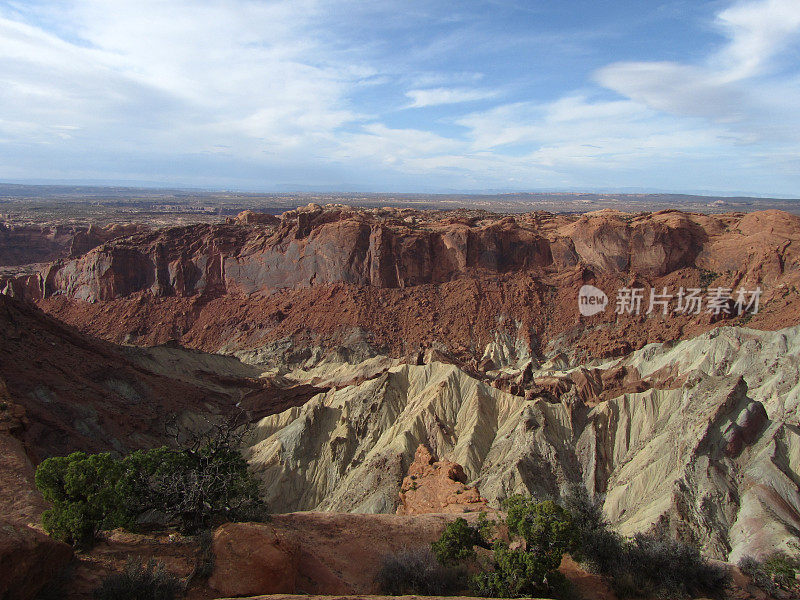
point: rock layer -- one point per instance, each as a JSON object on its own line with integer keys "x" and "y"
{"x": 410, "y": 277}
{"x": 25, "y": 244}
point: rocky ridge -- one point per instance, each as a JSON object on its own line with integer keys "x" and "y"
{"x": 401, "y": 278}
{"x": 706, "y": 449}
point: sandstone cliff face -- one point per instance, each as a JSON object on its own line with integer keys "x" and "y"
{"x": 402, "y": 248}
{"x": 708, "y": 451}
{"x": 26, "y": 244}
{"x": 456, "y": 281}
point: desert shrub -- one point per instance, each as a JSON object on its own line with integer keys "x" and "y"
{"x": 417, "y": 571}
{"x": 646, "y": 565}
{"x": 548, "y": 532}
{"x": 776, "y": 571}
{"x": 518, "y": 573}
{"x": 457, "y": 542}
{"x": 140, "y": 582}
{"x": 207, "y": 479}
{"x": 544, "y": 531}
{"x": 192, "y": 486}
{"x": 204, "y": 562}
{"x": 754, "y": 569}
{"x": 600, "y": 548}
{"x": 86, "y": 496}
{"x": 706, "y": 277}
{"x": 546, "y": 527}
{"x": 655, "y": 566}
{"x": 782, "y": 568}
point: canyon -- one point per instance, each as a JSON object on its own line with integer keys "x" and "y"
{"x": 407, "y": 364}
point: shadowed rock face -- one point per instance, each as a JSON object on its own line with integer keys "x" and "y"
{"x": 66, "y": 391}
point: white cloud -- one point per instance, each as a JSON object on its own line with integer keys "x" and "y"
{"x": 757, "y": 31}
{"x": 274, "y": 87}
{"x": 723, "y": 89}
{"x": 180, "y": 75}
{"x": 439, "y": 96}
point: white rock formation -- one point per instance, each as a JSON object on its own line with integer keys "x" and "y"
{"x": 716, "y": 460}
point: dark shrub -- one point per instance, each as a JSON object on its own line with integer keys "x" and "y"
{"x": 86, "y": 496}
{"x": 546, "y": 527}
{"x": 782, "y": 569}
{"x": 517, "y": 573}
{"x": 204, "y": 562}
{"x": 600, "y": 548}
{"x": 655, "y": 566}
{"x": 755, "y": 570}
{"x": 417, "y": 571}
{"x": 140, "y": 582}
{"x": 206, "y": 480}
{"x": 457, "y": 542}
{"x": 646, "y": 565}
{"x": 193, "y": 486}
{"x": 545, "y": 532}
{"x": 548, "y": 532}
{"x": 778, "y": 570}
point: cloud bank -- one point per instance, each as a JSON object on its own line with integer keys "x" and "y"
{"x": 389, "y": 95}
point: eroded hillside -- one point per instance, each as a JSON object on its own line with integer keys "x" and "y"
{"x": 391, "y": 279}
{"x": 710, "y": 450}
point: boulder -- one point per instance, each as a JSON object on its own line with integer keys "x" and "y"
{"x": 315, "y": 553}
{"x": 28, "y": 560}
{"x": 253, "y": 559}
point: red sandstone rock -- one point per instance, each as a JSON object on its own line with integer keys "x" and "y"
{"x": 26, "y": 244}
{"x": 253, "y": 559}
{"x": 28, "y": 560}
{"x": 333, "y": 553}
{"x": 433, "y": 486}
{"x": 28, "y": 557}
{"x": 412, "y": 277}
{"x": 248, "y": 217}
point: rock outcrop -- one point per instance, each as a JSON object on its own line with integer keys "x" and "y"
{"x": 28, "y": 557}
{"x": 433, "y": 486}
{"x": 390, "y": 248}
{"x": 254, "y": 559}
{"x": 314, "y": 553}
{"x": 26, "y": 244}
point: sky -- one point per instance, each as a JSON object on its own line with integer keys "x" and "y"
{"x": 404, "y": 95}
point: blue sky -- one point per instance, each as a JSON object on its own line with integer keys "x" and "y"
{"x": 404, "y": 95}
